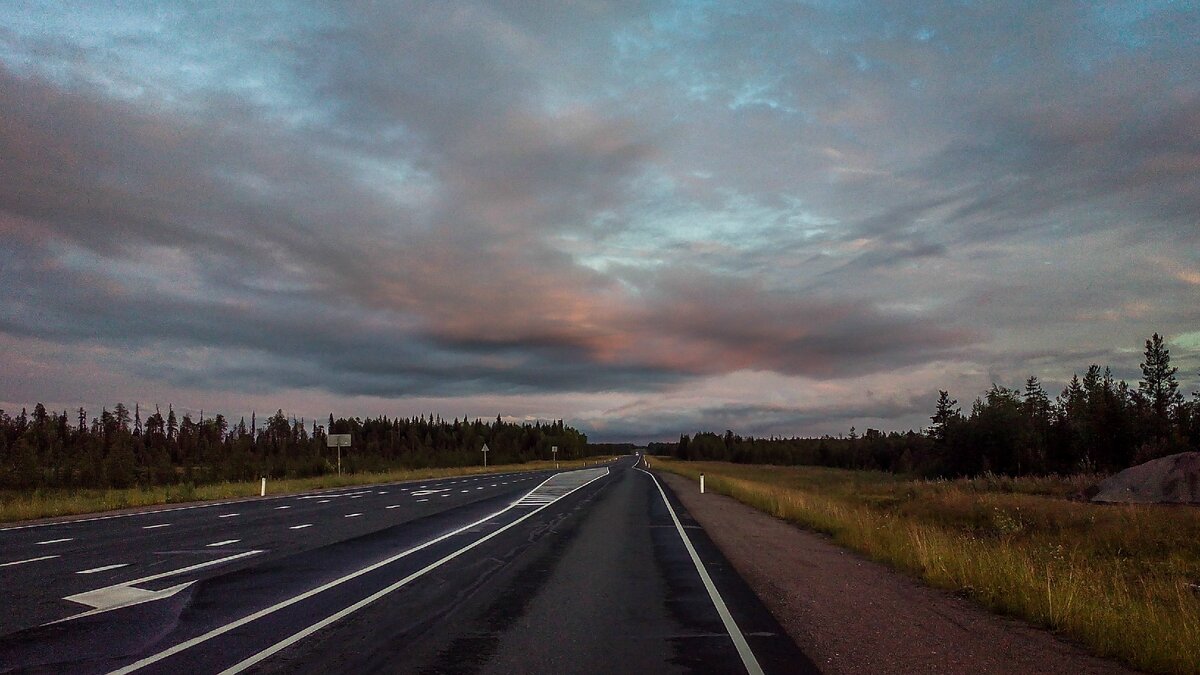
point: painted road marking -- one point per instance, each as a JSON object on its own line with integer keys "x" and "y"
{"x": 55, "y": 541}
{"x": 29, "y": 560}
{"x": 352, "y": 515}
{"x": 188, "y": 644}
{"x": 229, "y": 515}
{"x": 443, "y": 495}
{"x": 103, "y": 569}
{"x": 425, "y": 500}
{"x": 422, "y": 493}
{"x": 381, "y": 492}
{"x": 155, "y": 527}
{"x": 323, "y": 501}
{"x": 356, "y": 497}
{"x": 735, "y": 633}
{"x": 279, "y": 508}
{"x": 464, "y": 491}
{"x": 300, "y": 527}
{"x": 396, "y": 506}
{"x": 222, "y": 543}
{"x": 124, "y": 594}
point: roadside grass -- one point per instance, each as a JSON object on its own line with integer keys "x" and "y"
{"x": 1112, "y": 577}
{"x": 28, "y": 505}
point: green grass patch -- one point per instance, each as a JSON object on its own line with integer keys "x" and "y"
{"x": 1113, "y": 577}
{"x": 16, "y": 506}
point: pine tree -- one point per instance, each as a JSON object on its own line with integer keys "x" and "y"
{"x": 1158, "y": 390}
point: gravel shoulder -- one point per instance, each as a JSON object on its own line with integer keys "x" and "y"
{"x": 854, "y": 616}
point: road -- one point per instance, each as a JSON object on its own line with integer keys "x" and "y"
{"x": 592, "y": 570}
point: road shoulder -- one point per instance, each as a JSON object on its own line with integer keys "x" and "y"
{"x": 853, "y": 615}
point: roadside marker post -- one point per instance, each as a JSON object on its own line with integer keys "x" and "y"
{"x": 485, "y": 452}
{"x": 338, "y": 441}
{"x": 702, "y": 483}
{"x": 554, "y": 451}
{"x": 263, "y": 492}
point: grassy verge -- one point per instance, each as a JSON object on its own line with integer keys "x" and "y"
{"x": 47, "y": 503}
{"x": 1115, "y": 578}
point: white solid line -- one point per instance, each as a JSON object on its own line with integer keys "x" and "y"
{"x": 22, "y": 562}
{"x": 284, "y": 644}
{"x": 54, "y": 541}
{"x": 190, "y": 568}
{"x": 102, "y": 569}
{"x": 155, "y": 527}
{"x": 188, "y": 644}
{"x": 731, "y": 627}
{"x": 229, "y": 515}
{"x": 300, "y": 527}
{"x": 352, "y": 515}
{"x": 278, "y": 508}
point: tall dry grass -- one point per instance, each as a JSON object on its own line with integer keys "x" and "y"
{"x": 15, "y": 506}
{"x": 1115, "y": 578}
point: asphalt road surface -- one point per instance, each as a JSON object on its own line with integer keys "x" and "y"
{"x": 597, "y": 570}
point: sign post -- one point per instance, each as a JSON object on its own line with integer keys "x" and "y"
{"x": 554, "y": 451}
{"x": 338, "y": 441}
{"x": 485, "y": 452}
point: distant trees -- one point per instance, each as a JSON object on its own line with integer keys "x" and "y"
{"x": 1096, "y": 424}
{"x": 117, "y": 449}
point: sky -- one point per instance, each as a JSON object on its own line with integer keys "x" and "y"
{"x": 645, "y": 218}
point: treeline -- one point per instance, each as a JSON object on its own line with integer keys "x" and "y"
{"x": 121, "y": 449}
{"x": 1096, "y": 423}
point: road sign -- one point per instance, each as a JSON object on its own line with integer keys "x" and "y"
{"x": 338, "y": 441}
{"x": 554, "y": 451}
{"x": 485, "y": 452}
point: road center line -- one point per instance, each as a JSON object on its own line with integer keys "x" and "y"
{"x": 188, "y": 644}
{"x": 54, "y": 541}
{"x": 103, "y": 569}
{"x": 731, "y": 627}
{"x": 29, "y": 560}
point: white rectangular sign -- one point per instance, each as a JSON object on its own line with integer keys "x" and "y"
{"x": 337, "y": 441}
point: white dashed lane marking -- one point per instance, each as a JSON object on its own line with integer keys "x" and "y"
{"x": 352, "y": 515}
{"x": 424, "y": 500}
{"x": 323, "y": 501}
{"x": 396, "y": 506}
{"x": 229, "y": 515}
{"x": 155, "y": 527}
{"x": 103, "y": 569}
{"x": 29, "y": 560}
{"x": 54, "y": 541}
{"x": 300, "y": 527}
{"x": 222, "y": 543}
{"x": 279, "y": 508}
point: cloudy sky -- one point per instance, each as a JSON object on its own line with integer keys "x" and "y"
{"x": 646, "y": 218}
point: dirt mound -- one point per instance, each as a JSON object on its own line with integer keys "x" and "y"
{"x": 1171, "y": 479}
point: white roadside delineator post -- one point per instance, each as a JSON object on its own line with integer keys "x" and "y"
{"x": 701, "y": 483}
{"x": 263, "y": 492}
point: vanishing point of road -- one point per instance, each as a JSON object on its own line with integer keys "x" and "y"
{"x": 597, "y": 570}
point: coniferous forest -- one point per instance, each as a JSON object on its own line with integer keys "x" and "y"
{"x": 122, "y": 447}
{"x": 1095, "y": 424}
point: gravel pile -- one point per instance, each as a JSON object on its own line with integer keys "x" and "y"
{"x": 1172, "y": 479}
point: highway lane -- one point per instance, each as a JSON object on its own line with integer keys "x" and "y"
{"x": 589, "y": 572}
{"x": 61, "y": 556}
